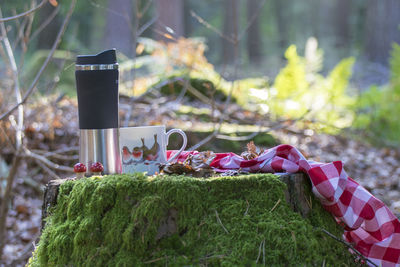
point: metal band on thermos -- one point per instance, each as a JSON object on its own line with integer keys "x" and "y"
{"x": 97, "y": 67}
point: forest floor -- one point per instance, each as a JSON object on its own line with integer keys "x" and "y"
{"x": 376, "y": 168}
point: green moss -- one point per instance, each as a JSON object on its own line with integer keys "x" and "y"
{"x": 229, "y": 221}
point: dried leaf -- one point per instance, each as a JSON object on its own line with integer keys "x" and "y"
{"x": 251, "y": 152}
{"x": 22, "y": 209}
{"x": 168, "y": 36}
{"x": 139, "y": 49}
{"x": 195, "y": 165}
{"x": 53, "y": 2}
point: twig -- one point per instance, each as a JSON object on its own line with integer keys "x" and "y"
{"x": 17, "y": 91}
{"x": 47, "y": 169}
{"x": 252, "y": 19}
{"x": 57, "y": 152}
{"x": 217, "y": 128}
{"x": 34, "y": 185}
{"x": 348, "y": 245}
{"x": 239, "y": 138}
{"x": 145, "y": 8}
{"x": 276, "y": 204}
{"x": 247, "y": 209}
{"x": 211, "y": 27}
{"x": 205, "y": 140}
{"x": 275, "y": 127}
{"x": 259, "y": 251}
{"x": 46, "y": 22}
{"x": 8, "y": 140}
{"x": 48, "y": 163}
{"x": 46, "y": 62}
{"x": 146, "y": 26}
{"x": 155, "y": 260}
{"x": 212, "y": 257}
{"x": 196, "y": 93}
{"x": 220, "y": 222}
{"x": 7, "y": 194}
{"x": 24, "y": 13}
{"x": 309, "y": 202}
{"x": 27, "y": 251}
{"x": 264, "y": 252}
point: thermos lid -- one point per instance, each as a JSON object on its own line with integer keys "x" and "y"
{"x": 105, "y": 57}
{"x": 97, "y": 89}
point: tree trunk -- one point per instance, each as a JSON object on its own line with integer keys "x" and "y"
{"x": 254, "y": 42}
{"x": 170, "y": 22}
{"x": 119, "y": 31}
{"x": 46, "y": 37}
{"x": 342, "y": 23}
{"x": 230, "y": 31}
{"x": 281, "y": 11}
{"x": 298, "y": 194}
{"x": 382, "y": 29}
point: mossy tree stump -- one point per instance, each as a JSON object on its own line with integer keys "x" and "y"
{"x": 135, "y": 220}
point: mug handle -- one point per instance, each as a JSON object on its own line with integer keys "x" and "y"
{"x": 182, "y": 133}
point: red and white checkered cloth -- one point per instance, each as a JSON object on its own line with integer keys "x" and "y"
{"x": 369, "y": 225}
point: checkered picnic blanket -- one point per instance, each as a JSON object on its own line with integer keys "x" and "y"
{"x": 368, "y": 223}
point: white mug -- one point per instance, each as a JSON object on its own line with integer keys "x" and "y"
{"x": 144, "y": 148}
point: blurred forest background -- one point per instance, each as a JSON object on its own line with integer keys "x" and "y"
{"x": 322, "y": 75}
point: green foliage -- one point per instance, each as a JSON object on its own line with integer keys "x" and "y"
{"x": 378, "y": 107}
{"x": 115, "y": 220}
{"x": 299, "y": 89}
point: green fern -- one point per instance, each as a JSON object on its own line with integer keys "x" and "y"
{"x": 298, "y": 89}
{"x": 378, "y": 108}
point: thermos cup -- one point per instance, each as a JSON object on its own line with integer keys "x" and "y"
{"x": 97, "y": 88}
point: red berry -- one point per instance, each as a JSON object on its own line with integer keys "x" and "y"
{"x": 96, "y": 167}
{"x": 79, "y": 167}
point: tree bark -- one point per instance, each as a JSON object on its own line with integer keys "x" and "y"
{"x": 382, "y": 29}
{"x": 254, "y": 41}
{"x": 119, "y": 31}
{"x": 170, "y": 22}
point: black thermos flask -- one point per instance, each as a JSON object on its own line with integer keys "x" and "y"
{"x": 98, "y": 98}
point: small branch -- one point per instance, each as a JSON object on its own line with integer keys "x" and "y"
{"x": 212, "y": 257}
{"x": 146, "y": 26}
{"x": 57, "y": 152}
{"x": 252, "y": 19}
{"x": 46, "y": 22}
{"x": 196, "y": 93}
{"x": 46, "y": 62}
{"x": 277, "y": 126}
{"x": 264, "y": 252}
{"x": 348, "y": 245}
{"x": 155, "y": 260}
{"x": 220, "y": 222}
{"x": 48, "y": 163}
{"x": 209, "y": 26}
{"x": 7, "y": 194}
{"x": 145, "y": 8}
{"x": 17, "y": 91}
{"x": 276, "y": 204}
{"x": 26, "y": 13}
{"x": 262, "y": 246}
{"x": 247, "y": 209}
{"x": 217, "y": 128}
{"x": 238, "y": 138}
{"x": 205, "y": 140}
{"x": 47, "y": 169}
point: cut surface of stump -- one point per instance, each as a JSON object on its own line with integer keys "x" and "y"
{"x": 177, "y": 220}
